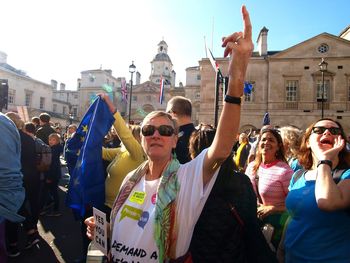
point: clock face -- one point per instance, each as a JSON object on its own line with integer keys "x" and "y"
{"x": 323, "y": 48}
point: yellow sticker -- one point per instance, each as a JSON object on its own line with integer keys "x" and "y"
{"x": 137, "y": 197}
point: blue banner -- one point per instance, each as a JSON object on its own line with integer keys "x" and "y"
{"x": 84, "y": 158}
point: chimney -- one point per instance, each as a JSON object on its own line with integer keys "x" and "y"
{"x": 262, "y": 41}
{"x": 62, "y": 86}
{"x": 54, "y": 84}
{"x": 3, "y": 57}
{"x": 138, "y": 78}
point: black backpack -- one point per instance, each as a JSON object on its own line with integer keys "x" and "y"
{"x": 43, "y": 155}
{"x": 228, "y": 229}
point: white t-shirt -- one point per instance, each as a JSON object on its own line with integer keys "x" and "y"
{"x": 132, "y": 237}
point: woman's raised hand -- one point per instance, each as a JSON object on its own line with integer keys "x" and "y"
{"x": 106, "y": 98}
{"x": 239, "y": 46}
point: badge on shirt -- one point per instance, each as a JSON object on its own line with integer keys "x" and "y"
{"x": 137, "y": 197}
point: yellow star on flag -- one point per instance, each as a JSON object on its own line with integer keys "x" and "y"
{"x": 85, "y": 128}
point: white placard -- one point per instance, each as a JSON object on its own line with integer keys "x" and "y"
{"x": 100, "y": 237}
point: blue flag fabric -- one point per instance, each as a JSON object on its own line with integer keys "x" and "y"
{"x": 84, "y": 158}
{"x": 266, "y": 119}
{"x": 248, "y": 87}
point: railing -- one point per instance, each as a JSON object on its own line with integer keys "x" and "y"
{"x": 291, "y": 105}
{"x": 325, "y": 105}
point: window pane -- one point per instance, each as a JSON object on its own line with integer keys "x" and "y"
{"x": 28, "y": 99}
{"x": 42, "y": 103}
{"x": 11, "y": 96}
{"x": 320, "y": 89}
{"x": 291, "y": 90}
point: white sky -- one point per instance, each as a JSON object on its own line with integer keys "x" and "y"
{"x": 57, "y": 39}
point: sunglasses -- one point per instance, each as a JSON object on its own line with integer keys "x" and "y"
{"x": 321, "y": 130}
{"x": 164, "y": 130}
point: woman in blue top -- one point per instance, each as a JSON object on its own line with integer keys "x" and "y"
{"x": 319, "y": 230}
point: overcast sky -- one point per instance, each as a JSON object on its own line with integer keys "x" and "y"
{"x": 52, "y": 39}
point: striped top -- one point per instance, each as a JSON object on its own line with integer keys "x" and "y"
{"x": 274, "y": 180}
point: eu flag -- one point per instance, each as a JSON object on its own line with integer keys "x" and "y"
{"x": 84, "y": 157}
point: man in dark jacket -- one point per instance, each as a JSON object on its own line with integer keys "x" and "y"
{"x": 181, "y": 110}
{"x": 45, "y": 130}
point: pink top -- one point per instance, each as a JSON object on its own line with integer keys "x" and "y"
{"x": 274, "y": 180}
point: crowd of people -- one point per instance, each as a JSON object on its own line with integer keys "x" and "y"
{"x": 179, "y": 193}
{"x": 37, "y": 161}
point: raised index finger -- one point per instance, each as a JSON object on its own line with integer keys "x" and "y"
{"x": 247, "y": 25}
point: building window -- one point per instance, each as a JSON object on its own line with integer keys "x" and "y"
{"x": 134, "y": 98}
{"x": 319, "y": 90}
{"x": 75, "y": 112}
{"x": 54, "y": 107}
{"x": 28, "y": 99}
{"x": 11, "y": 96}
{"x": 148, "y": 98}
{"x": 291, "y": 90}
{"x": 42, "y": 103}
{"x": 198, "y": 95}
{"x": 198, "y": 77}
{"x": 75, "y": 96}
{"x": 323, "y": 48}
{"x": 64, "y": 108}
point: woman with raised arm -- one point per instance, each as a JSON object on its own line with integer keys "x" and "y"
{"x": 158, "y": 205}
{"x": 319, "y": 198}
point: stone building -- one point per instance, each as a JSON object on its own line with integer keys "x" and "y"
{"x": 145, "y": 96}
{"x": 97, "y": 81}
{"x": 288, "y": 83}
{"x": 30, "y": 97}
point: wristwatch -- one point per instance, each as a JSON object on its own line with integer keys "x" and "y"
{"x": 328, "y": 162}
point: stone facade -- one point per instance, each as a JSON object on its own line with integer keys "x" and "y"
{"x": 288, "y": 84}
{"x": 30, "y": 97}
{"x": 145, "y": 98}
{"x": 97, "y": 81}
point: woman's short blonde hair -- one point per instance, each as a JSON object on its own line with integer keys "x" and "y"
{"x": 156, "y": 114}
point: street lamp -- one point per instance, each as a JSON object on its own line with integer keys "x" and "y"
{"x": 71, "y": 117}
{"x": 132, "y": 69}
{"x": 323, "y": 68}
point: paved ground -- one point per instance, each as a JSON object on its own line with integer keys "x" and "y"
{"x": 61, "y": 238}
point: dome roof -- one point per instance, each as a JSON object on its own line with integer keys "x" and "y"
{"x": 162, "y": 57}
{"x": 162, "y": 43}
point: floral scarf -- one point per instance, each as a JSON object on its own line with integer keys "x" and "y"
{"x": 164, "y": 222}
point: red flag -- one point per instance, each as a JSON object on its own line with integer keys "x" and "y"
{"x": 124, "y": 91}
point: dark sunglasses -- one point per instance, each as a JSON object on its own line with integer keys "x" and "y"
{"x": 321, "y": 130}
{"x": 164, "y": 130}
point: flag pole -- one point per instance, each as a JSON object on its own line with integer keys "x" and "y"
{"x": 218, "y": 81}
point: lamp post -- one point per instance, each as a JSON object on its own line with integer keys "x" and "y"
{"x": 132, "y": 69}
{"x": 323, "y": 68}
{"x": 71, "y": 117}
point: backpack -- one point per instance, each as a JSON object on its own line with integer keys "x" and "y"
{"x": 228, "y": 229}
{"x": 336, "y": 174}
{"x": 43, "y": 155}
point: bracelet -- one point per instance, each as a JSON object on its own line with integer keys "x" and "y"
{"x": 328, "y": 162}
{"x": 232, "y": 100}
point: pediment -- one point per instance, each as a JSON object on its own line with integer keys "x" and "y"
{"x": 146, "y": 87}
{"x": 337, "y": 47}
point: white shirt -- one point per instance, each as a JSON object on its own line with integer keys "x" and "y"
{"x": 133, "y": 238}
